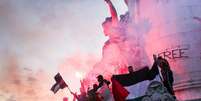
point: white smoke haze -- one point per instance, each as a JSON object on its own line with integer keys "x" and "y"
{"x": 16, "y": 84}
{"x": 42, "y": 35}
{"x": 26, "y": 84}
{"x": 37, "y": 37}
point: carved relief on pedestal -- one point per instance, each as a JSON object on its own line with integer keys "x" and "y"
{"x": 157, "y": 92}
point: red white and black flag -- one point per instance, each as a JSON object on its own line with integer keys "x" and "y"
{"x": 60, "y": 83}
{"x": 119, "y": 92}
{"x": 122, "y": 81}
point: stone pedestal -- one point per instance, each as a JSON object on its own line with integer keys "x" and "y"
{"x": 172, "y": 29}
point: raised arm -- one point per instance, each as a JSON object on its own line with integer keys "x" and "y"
{"x": 126, "y": 2}
{"x": 75, "y": 96}
{"x": 113, "y": 11}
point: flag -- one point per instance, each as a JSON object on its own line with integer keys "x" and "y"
{"x": 137, "y": 76}
{"x": 119, "y": 92}
{"x": 60, "y": 83}
{"x": 133, "y": 82}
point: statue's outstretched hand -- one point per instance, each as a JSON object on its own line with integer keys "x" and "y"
{"x": 107, "y": 1}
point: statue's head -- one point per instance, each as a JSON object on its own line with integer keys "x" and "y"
{"x": 107, "y": 25}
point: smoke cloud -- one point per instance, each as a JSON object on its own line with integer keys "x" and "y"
{"x": 43, "y": 37}
{"x": 125, "y": 46}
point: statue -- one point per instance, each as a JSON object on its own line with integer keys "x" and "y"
{"x": 157, "y": 92}
{"x": 121, "y": 49}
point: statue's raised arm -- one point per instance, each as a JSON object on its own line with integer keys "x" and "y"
{"x": 113, "y": 12}
{"x": 126, "y": 2}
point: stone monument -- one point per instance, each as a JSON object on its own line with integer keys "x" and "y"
{"x": 172, "y": 29}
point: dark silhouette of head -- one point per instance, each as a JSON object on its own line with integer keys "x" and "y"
{"x": 130, "y": 69}
{"x": 100, "y": 78}
{"x": 95, "y": 87}
{"x": 163, "y": 63}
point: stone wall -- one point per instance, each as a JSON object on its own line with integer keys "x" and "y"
{"x": 172, "y": 29}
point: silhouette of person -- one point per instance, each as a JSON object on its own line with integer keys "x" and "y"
{"x": 103, "y": 89}
{"x": 166, "y": 74}
{"x": 130, "y": 69}
{"x": 101, "y": 81}
{"x": 93, "y": 95}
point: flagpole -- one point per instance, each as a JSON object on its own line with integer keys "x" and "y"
{"x": 69, "y": 89}
{"x": 74, "y": 94}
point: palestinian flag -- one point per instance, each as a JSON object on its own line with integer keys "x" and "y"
{"x": 122, "y": 82}
{"x": 60, "y": 83}
{"x": 119, "y": 92}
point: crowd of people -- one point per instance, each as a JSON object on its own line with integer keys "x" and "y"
{"x": 102, "y": 91}
{"x": 99, "y": 92}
